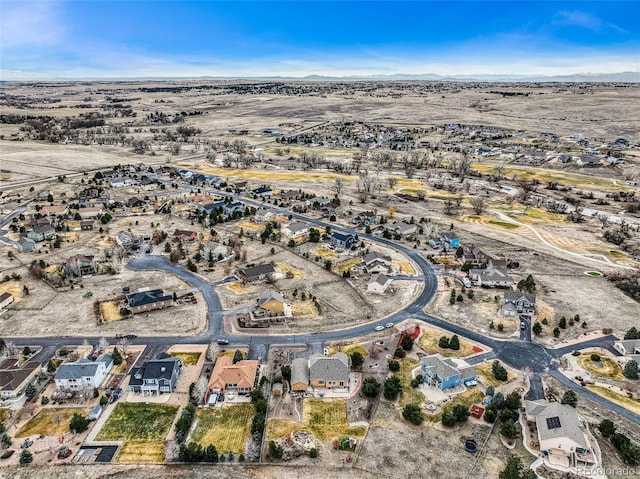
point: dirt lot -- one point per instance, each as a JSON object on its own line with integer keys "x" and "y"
{"x": 390, "y": 441}
{"x": 74, "y": 315}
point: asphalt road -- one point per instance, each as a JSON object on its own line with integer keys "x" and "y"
{"x": 519, "y": 354}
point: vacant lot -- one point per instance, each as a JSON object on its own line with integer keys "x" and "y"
{"x": 429, "y": 342}
{"x": 604, "y": 368}
{"x": 138, "y": 422}
{"x": 487, "y": 378}
{"x": 622, "y": 400}
{"x": 50, "y": 421}
{"x": 324, "y": 418}
{"x": 227, "y": 428}
{"x": 409, "y": 394}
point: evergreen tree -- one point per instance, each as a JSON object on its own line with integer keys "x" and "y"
{"x": 631, "y": 369}
{"x": 570, "y": 398}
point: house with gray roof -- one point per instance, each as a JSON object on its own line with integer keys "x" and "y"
{"x": 299, "y": 374}
{"x": 157, "y": 376}
{"x": 83, "y": 373}
{"x": 329, "y": 371}
{"x": 516, "y": 302}
{"x": 42, "y": 233}
{"x": 379, "y": 284}
{"x": 257, "y": 273}
{"x": 295, "y": 229}
{"x": 629, "y": 348}
{"x": 25, "y": 244}
{"x": 490, "y": 278}
{"x": 447, "y": 373}
{"x": 562, "y": 433}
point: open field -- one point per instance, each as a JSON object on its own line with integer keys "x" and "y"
{"x": 141, "y": 451}
{"x": 227, "y": 428}
{"x": 50, "y": 421}
{"x": 138, "y": 422}
{"x": 110, "y": 311}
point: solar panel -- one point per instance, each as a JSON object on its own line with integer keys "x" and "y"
{"x": 553, "y": 422}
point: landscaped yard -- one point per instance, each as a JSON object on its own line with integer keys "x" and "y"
{"x": 405, "y": 267}
{"x": 429, "y": 342}
{"x": 409, "y": 394}
{"x": 484, "y": 370}
{"x": 227, "y": 428}
{"x": 624, "y": 401}
{"x": 503, "y": 224}
{"x": 50, "y": 421}
{"x": 324, "y": 252}
{"x": 324, "y": 418}
{"x": 349, "y": 350}
{"x": 187, "y": 358}
{"x": 605, "y": 368}
{"x": 143, "y": 428}
{"x": 468, "y": 398}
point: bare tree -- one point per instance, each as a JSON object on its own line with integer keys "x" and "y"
{"x": 103, "y": 344}
{"x": 200, "y": 389}
{"x": 212, "y": 352}
{"x": 171, "y": 450}
{"x": 391, "y": 182}
{"x": 479, "y": 204}
{"x": 449, "y": 208}
{"x": 499, "y": 173}
{"x": 337, "y": 186}
{"x": 603, "y": 219}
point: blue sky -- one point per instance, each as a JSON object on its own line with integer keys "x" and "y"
{"x": 87, "y": 38}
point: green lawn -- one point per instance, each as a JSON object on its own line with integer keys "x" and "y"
{"x": 503, "y": 224}
{"x": 138, "y": 422}
{"x": 227, "y": 427}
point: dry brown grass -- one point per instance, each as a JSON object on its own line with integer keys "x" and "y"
{"x": 248, "y": 225}
{"x": 227, "y": 428}
{"x": 50, "y": 421}
{"x": 429, "y": 342}
{"x": 237, "y": 288}
{"x": 606, "y": 368}
{"x": 152, "y": 451}
{"x": 110, "y": 311}
{"x": 405, "y": 267}
{"x": 622, "y": 400}
{"x": 484, "y": 370}
{"x": 324, "y": 252}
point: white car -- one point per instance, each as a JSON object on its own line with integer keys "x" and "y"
{"x": 379, "y": 328}
{"x": 388, "y": 325}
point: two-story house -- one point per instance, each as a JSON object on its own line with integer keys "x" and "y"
{"x": 83, "y": 373}
{"x": 145, "y": 301}
{"x": 342, "y": 240}
{"x": 446, "y": 373}
{"x": 156, "y": 376}
{"x": 516, "y": 303}
{"x": 229, "y": 377}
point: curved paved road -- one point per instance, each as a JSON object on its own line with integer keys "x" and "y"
{"x": 517, "y": 354}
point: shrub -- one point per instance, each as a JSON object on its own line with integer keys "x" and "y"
{"x": 570, "y": 398}
{"x": 394, "y": 365}
{"x": 607, "y": 428}
{"x": 413, "y": 414}
{"x": 498, "y": 371}
{"x": 7, "y": 454}
{"x": 371, "y": 386}
{"x": 448, "y": 419}
{"x": 631, "y": 369}
{"x": 79, "y": 423}
{"x": 400, "y": 353}
{"x": 454, "y": 343}
{"x": 26, "y": 457}
{"x": 595, "y": 358}
{"x": 392, "y": 388}
{"x": 406, "y": 342}
{"x": 443, "y": 342}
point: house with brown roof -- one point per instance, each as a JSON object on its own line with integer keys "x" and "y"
{"x": 228, "y": 377}
{"x": 14, "y": 378}
{"x": 79, "y": 265}
{"x": 90, "y": 212}
{"x": 184, "y": 236}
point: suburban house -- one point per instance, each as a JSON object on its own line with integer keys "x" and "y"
{"x": 589, "y": 161}
{"x": 240, "y": 377}
{"x": 405, "y": 230}
{"x": 299, "y": 375}
{"x": 379, "y": 284}
{"x": 215, "y": 251}
{"x": 270, "y": 304}
{"x": 184, "y": 236}
{"x": 629, "y": 348}
{"x": 231, "y": 208}
{"x": 263, "y": 192}
{"x": 42, "y": 233}
{"x": 447, "y": 373}
{"x": 144, "y": 301}
{"x": 290, "y": 195}
{"x": 516, "y": 303}
{"x": 263, "y": 215}
{"x": 54, "y": 210}
{"x": 126, "y": 240}
{"x": 329, "y": 371}
{"x": 79, "y": 265}
{"x": 135, "y": 202}
{"x": 14, "y": 378}
{"x": 342, "y": 240}
{"x": 86, "y": 225}
{"x": 90, "y": 212}
{"x": 5, "y": 300}
{"x": 24, "y": 244}
{"x": 449, "y": 240}
{"x": 257, "y": 273}
{"x": 83, "y": 373}
{"x": 562, "y": 433}
{"x": 295, "y": 229}
{"x": 157, "y": 376}
{"x": 365, "y": 218}
{"x": 475, "y": 256}
{"x": 490, "y": 278}
{"x": 375, "y": 262}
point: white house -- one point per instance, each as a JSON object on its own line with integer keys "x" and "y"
{"x": 562, "y": 433}
{"x": 629, "y": 348}
{"x": 378, "y": 284}
{"x": 83, "y": 373}
{"x": 295, "y": 229}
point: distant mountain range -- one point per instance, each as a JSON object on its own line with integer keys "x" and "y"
{"x": 622, "y": 77}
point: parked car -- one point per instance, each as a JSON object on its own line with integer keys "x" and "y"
{"x": 223, "y": 341}
{"x": 388, "y": 325}
{"x": 131, "y": 336}
{"x": 26, "y": 444}
{"x": 523, "y": 325}
{"x": 379, "y": 328}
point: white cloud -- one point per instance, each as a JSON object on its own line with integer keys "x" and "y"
{"x": 29, "y": 23}
{"x": 585, "y": 20}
